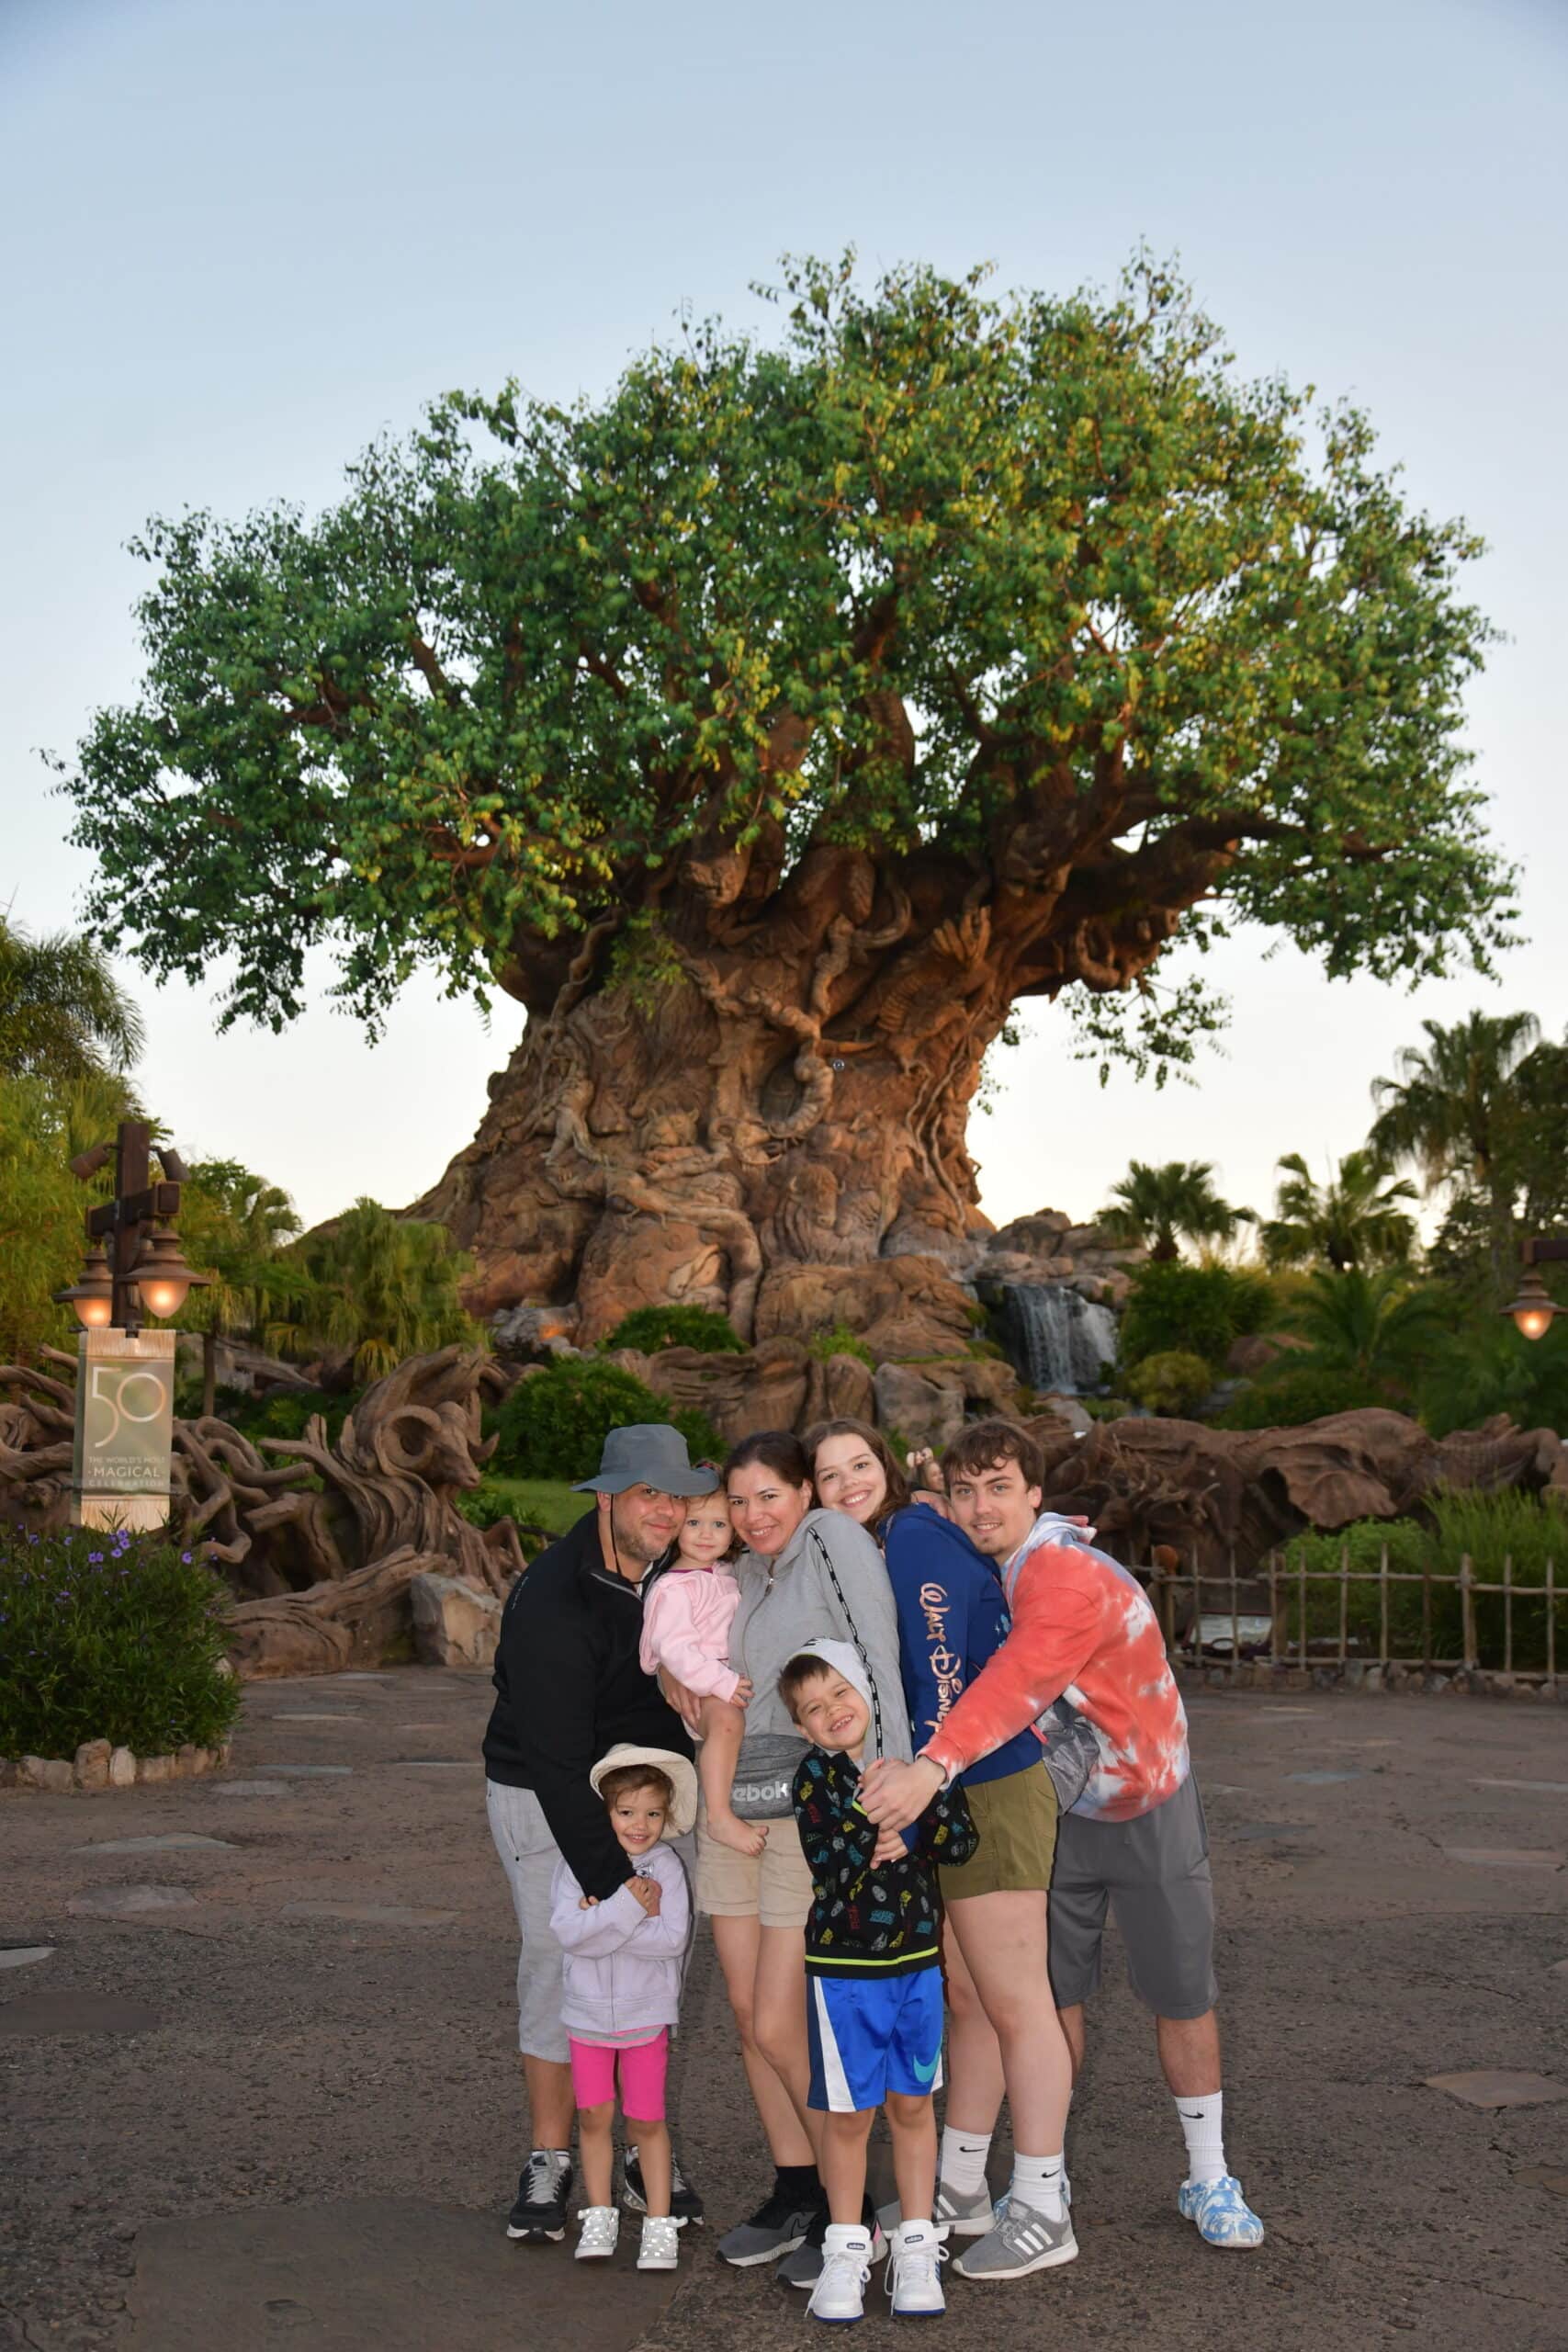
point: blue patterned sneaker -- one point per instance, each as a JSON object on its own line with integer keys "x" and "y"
{"x": 1222, "y": 2212}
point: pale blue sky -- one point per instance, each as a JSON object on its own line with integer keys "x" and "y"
{"x": 239, "y": 242}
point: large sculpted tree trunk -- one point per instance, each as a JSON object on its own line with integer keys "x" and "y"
{"x": 773, "y": 1071}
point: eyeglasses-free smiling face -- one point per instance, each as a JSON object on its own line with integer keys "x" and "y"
{"x": 832, "y": 1714}
{"x": 765, "y": 1508}
{"x": 637, "y": 1819}
{"x": 707, "y": 1534}
{"x": 993, "y": 1507}
{"x": 849, "y": 1477}
{"x": 644, "y": 1522}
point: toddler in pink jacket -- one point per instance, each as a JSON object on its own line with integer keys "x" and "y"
{"x": 686, "y": 1629}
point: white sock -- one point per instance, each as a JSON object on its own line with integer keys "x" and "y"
{"x": 1204, "y": 2135}
{"x": 1037, "y": 2183}
{"x": 963, "y": 2162}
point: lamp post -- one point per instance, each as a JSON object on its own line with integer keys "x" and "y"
{"x": 125, "y": 1385}
{"x": 1533, "y": 1310}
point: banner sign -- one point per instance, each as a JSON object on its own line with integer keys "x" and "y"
{"x": 125, "y": 1410}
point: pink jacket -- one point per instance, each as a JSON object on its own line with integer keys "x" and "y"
{"x": 686, "y": 1628}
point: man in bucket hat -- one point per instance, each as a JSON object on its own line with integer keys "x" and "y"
{"x": 569, "y": 1687}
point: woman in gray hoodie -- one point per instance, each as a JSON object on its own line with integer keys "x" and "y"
{"x": 806, "y": 1574}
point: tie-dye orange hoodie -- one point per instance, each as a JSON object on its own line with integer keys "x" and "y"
{"x": 1083, "y": 1629}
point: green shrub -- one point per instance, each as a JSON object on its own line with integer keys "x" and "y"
{"x": 1285, "y": 1400}
{"x": 554, "y": 1423}
{"x": 1490, "y": 1530}
{"x": 839, "y": 1342}
{"x": 284, "y": 1412}
{"x": 1196, "y": 1310}
{"x": 649, "y": 1328}
{"x": 543, "y": 1505}
{"x": 1172, "y": 1381}
{"x": 108, "y": 1636}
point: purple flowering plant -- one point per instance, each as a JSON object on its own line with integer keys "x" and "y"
{"x": 110, "y": 1635}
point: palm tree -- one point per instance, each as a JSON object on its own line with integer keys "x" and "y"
{"x": 1373, "y": 1327}
{"x": 232, "y": 1225}
{"x": 1354, "y": 1219}
{"x": 63, "y": 1013}
{"x": 377, "y": 1289}
{"x": 1154, "y": 1208}
{"x": 1455, "y": 1110}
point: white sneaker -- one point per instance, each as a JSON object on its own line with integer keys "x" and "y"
{"x": 839, "y": 2291}
{"x": 599, "y": 2228}
{"x": 914, "y": 2272}
{"x": 661, "y": 2246}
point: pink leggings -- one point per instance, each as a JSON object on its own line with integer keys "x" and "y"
{"x": 642, "y": 2068}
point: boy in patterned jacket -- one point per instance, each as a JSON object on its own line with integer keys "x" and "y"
{"x": 874, "y": 1984}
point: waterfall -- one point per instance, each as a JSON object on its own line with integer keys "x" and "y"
{"x": 1055, "y": 1339}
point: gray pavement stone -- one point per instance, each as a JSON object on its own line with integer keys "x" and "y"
{"x": 1323, "y": 1779}
{"x": 1513, "y": 1858}
{"x": 392, "y": 2272}
{"x": 51, "y": 2013}
{"x": 178, "y": 1843}
{"x": 313, "y": 1716}
{"x": 24, "y": 1955}
{"x": 1495, "y": 2086}
{"x": 1541, "y": 1788}
{"x": 440, "y": 1763}
{"x": 1543, "y": 2177}
{"x": 251, "y": 1788}
{"x": 129, "y": 1902}
{"x": 308, "y": 1771}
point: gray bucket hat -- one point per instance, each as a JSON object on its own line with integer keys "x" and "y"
{"x": 646, "y": 1453}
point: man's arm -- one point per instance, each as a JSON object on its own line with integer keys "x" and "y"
{"x": 552, "y": 1685}
{"x": 1056, "y": 1632}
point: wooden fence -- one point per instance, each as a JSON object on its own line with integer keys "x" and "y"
{"x": 1415, "y": 1619}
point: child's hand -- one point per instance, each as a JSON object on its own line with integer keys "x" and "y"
{"x": 889, "y": 1846}
{"x": 648, "y": 1892}
{"x": 743, "y": 1692}
{"x": 588, "y": 1903}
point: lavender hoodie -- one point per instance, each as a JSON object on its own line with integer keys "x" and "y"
{"x": 621, "y": 1972}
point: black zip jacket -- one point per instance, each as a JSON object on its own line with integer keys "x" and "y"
{"x": 873, "y": 1918}
{"x": 568, "y": 1687}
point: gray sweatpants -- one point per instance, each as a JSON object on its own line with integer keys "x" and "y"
{"x": 529, "y": 1855}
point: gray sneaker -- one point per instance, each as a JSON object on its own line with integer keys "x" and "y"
{"x": 777, "y": 2227}
{"x": 964, "y": 2214}
{"x": 1021, "y": 2241}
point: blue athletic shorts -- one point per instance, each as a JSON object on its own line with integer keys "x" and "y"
{"x": 871, "y": 2035}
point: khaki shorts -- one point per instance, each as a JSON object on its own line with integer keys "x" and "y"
{"x": 1016, "y": 1818}
{"x": 773, "y": 1886}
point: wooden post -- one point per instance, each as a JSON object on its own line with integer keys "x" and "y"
{"x": 1467, "y": 1615}
{"x": 1301, "y": 1588}
{"x": 1508, "y": 1613}
{"x": 1383, "y": 1609}
{"x": 1276, "y": 1631}
{"x": 1426, "y": 1613}
{"x": 1235, "y": 1621}
{"x": 1165, "y": 1606}
{"x": 1550, "y": 1623}
{"x": 1344, "y": 1603}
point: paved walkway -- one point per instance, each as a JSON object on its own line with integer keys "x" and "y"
{"x": 261, "y": 2092}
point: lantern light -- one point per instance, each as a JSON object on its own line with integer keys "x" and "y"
{"x": 1533, "y": 1310}
{"x": 161, "y": 1276}
{"x": 91, "y": 1293}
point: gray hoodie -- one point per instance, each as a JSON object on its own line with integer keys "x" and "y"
{"x": 792, "y": 1600}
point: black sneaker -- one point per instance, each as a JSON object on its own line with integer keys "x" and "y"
{"x": 544, "y": 2193}
{"x": 685, "y": 2202}
{"x": 779, "y": 2224}
{"x": 803, "y": 2266}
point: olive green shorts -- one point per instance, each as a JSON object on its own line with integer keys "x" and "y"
{"x": 1016, "y": 1818}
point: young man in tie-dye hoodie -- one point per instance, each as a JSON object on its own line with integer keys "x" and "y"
{"x": 1135, "y": 1841}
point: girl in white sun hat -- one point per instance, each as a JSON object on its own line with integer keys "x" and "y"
{"x": 622, "y": 1965}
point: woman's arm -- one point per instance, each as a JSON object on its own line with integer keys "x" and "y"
{"x": 600, "y": 1930}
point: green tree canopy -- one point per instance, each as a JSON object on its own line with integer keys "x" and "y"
{"x": 64, "y": 1016}
{"x": 1372, "y": 1327}
{"x": 1158, "y": 1208}
{"x": 1039, "y": 585}
{"x": 375, "y": 1289}
{"x": 1356, "y": 1218}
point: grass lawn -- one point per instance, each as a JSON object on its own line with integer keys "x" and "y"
{"x": 548, "y": 1503}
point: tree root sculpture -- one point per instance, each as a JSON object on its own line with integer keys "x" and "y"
{"x": 1219, "y": 1496}
{"x": 321, "y": 1513}
{"x": 359, "y": 1620}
